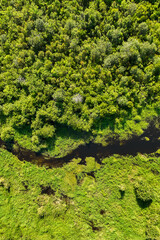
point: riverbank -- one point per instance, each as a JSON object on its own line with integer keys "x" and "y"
{"x": 146, "y": 143}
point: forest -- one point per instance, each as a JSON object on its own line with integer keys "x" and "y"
{"x": 91, "y": 67}
{"x": 75, "y": 72}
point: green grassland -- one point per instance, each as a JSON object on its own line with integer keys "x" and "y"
{"x": 118, "y": 200}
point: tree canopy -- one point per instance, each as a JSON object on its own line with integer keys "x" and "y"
{"x": 77, "y": 63}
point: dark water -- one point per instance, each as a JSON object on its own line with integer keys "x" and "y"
{"x": 130, "y": 147}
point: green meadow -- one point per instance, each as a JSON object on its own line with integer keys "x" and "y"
{"x": 119, "y": 199}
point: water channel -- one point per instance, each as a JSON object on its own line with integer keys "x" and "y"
{"x": 148, "y": 142}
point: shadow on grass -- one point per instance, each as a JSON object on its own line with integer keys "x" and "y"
{"x": 143, "y": 204}
{"x": 122, "y": 193}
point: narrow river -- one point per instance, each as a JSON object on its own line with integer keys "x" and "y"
{"x": 129, "y": 147}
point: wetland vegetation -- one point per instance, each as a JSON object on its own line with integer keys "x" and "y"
{"x": 80, "y": 98}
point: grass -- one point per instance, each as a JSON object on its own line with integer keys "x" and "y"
{"x": 79, "y": 201}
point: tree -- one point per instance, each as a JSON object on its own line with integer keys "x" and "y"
{"x": 115, "y": 36}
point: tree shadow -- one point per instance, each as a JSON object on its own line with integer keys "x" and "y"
{"x": 122, "y": 194}
{"x": 143, "y": 204}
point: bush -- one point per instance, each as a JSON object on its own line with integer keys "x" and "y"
{"x": 47, "y": 131}
{"x": 137, "y": 118}
{"x": 7, "y": 134}
{"x": 143, "y": 191}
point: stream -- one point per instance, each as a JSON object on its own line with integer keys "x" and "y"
{"x": 138, "y": 144}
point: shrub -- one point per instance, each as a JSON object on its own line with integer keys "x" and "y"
{"x": 143, "y": 191}
{"x": 137, "y": 118}
{"x": 35, "y": 140}
{"x": 7, "y": 134}
{"x": 47, "y": 131}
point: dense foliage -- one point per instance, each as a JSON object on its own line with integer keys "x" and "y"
{"x": 77, "y": 64}
{"x": 119, "y": 200}
{"x": 71, "y": 72}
